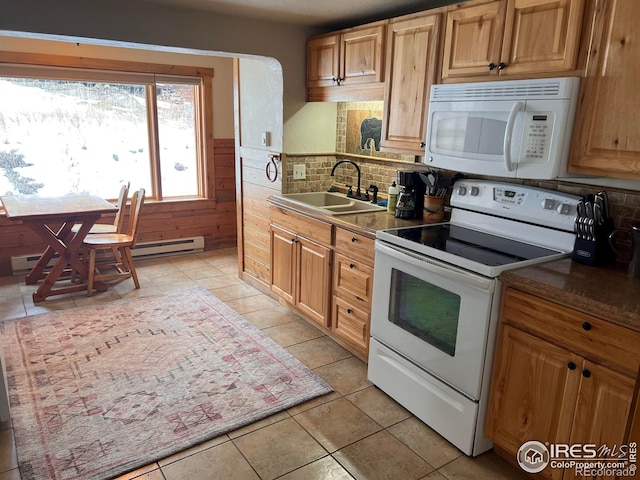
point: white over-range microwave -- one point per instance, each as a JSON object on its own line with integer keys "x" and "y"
{"x": 512, "y": 129}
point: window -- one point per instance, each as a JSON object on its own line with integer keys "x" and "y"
{"x": 78, "y": 130}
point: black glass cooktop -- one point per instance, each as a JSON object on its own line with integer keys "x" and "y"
{"x": 485, "y": 248}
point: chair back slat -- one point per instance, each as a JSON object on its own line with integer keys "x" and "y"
{"x": 122, "y": 203}
{"x": 134, "y": 214}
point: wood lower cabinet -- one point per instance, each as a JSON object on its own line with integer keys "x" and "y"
{"x": 512, "y": 37}
{"x": 605, "y": 139}
{"x": 602, "y": 408}
{"x": 352, "y": 289}
{"x": 284, "y": 262}
{"x": 412, "y": 53}
{"x": 301, "y": 267}
{"x": 351, "y": 324}
{"x": 313, "y": 280}
{"x": 326, "y": 273}
{"x": 560, "y": 381}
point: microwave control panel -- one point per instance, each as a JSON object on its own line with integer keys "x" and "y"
{"x": 518, "y": 202}
{"x": 538, "y": 127}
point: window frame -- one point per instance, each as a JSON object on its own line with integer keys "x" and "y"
{"x": 105, "y": 70}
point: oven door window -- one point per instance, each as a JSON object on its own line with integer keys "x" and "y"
{"x": 424, "y": 310}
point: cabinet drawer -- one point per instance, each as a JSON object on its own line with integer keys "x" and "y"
{"x": 353, "y": 279}
{"x": 608, "y": 343}
{"x": 353, "y": 244}
{"x": 305, "y": 226}
{"x": 351, "y": 324}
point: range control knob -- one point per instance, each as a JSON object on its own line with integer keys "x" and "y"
{"x": 548, "y": 204}
{"x": 474, "y": 191}
{"x": 462, "y": 191}
{"x": 565, "y": 209}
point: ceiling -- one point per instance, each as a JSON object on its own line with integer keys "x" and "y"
{"x": 313, "y": 13}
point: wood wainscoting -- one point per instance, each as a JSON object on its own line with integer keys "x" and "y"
{"x": 213, "y": 218}
{"x": 254, "y": 186}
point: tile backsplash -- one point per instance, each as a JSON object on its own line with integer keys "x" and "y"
{"x": 359, "y": 130}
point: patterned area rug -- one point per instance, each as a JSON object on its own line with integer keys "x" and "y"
{"x": 98, "y": 391}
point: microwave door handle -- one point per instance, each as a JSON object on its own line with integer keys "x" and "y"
{"x": 517, "y": 107}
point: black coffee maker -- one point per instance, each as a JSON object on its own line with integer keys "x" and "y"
{"x": 411, "y": 196}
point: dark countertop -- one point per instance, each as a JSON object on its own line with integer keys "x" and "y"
{"x": 605, "y": 292}
{"x": 363, "y": 223}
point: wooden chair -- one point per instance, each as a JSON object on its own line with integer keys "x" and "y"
{"x": 119, "y": 243}
{"x": 118, "y": 222}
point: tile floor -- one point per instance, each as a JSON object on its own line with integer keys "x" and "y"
{"x": 355, "y": 432}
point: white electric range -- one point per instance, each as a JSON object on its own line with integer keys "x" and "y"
{"x": 436, "y": 299}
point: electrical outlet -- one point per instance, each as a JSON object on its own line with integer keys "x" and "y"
{"x": 299, "y": 172}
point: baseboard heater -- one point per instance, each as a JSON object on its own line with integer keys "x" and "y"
{"x": 24, "y": 263}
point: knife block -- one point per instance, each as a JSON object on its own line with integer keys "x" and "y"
{"x": 598, "y": 251}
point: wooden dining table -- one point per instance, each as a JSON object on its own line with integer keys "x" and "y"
{"x": 52, "y": 219}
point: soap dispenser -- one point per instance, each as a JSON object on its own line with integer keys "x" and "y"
{"x": 392, "y": 199}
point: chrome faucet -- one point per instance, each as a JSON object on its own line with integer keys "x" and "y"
{"x": 333, "y": 171}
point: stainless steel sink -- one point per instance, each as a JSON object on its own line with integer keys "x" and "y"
{"x": 332, "y": 203}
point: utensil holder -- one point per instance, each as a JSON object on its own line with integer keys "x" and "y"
{"x": 597, "y": 251}
{"x": 433, "y": 209}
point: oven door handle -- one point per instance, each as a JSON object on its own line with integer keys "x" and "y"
{"x": 447, "y": 271}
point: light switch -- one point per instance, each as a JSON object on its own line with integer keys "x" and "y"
{"x": 299, "y": 171}
{"x": 266, "y": 139}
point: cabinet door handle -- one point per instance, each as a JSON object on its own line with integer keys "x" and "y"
{"x": 586, "y": 325}
{"x": 492, "y": 66}
{"x": 423, "y": 144}
{"x": 354, "y": 239}
{"x": 351, "y": 265}
{"x": 349, "y": 310}
{"x": 571, "y": 366}
{"x": 586, "y": 373}
{"x": 502, "y": 66}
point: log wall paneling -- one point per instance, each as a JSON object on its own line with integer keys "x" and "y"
{"x": 254, "y": 240}
{"x": 213, "y": 218}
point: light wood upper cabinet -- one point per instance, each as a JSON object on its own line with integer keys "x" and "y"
{"x": 512, "y": 37}
{"x": 541, "y": 35}
{"x": 323, "y": 60}
{"x": 361, "y": 55}
{"x": 412, "y": 52}
{"x": 347, "y": 64}
{"x": 605, "y": 137}
{"x": 473, "y": 40}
